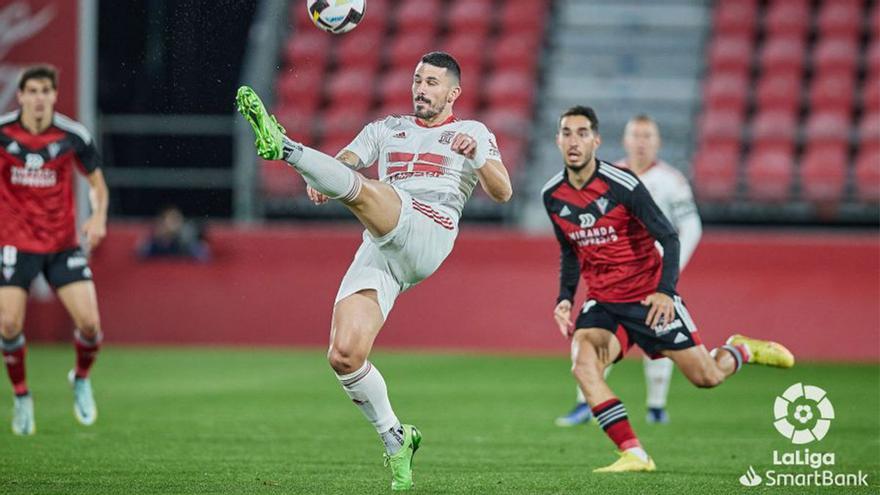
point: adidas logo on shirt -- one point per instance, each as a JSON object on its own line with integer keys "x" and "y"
{"x": 564, "y": 211}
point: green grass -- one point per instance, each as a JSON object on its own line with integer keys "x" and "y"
{"x": 276, "y": 421}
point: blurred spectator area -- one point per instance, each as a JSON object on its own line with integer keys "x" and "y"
{"x": 790, "y": 125}
{"x": 330, "y": 86}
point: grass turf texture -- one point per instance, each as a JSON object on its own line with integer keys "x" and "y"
{"x": 276, "y": 421}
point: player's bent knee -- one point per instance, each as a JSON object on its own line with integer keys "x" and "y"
{"x": 707, "y": 379}
{"x": 343, "y": 361}
{"x": 9, "y": 327}
{"x": 89, "y": 327}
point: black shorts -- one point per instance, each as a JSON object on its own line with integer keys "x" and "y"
{"x": 627, "y": 322}
{"x": 19, "y": 269}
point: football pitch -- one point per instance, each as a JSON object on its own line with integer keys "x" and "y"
{"x": 257, "y": 421}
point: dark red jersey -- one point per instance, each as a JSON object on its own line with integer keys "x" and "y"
{"x": 606, "y": 232}
{"x": 36, "y": 182}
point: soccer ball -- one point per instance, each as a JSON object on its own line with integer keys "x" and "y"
{"x": 336, "y": 16}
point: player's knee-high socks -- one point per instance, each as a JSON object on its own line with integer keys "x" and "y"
{"x": 13, "y": 355}
{"x": 86, "y": 352}
{"x": 658, "y": 374}
{"x": 324, "y": 173}
{"x": 612, "y": 417}
{"x": 366, "y": 388}
{"x": 740, "y": 354}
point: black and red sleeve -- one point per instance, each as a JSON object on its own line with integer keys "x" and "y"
{"x": 642, "y": 206}
{"x": 569, "y": 267}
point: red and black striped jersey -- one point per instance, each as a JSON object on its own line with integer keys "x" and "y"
{"x": 606, "y": 232}
{"x": 36, "y": 182}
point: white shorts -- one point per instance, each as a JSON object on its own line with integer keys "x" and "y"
{"x": 400, "y": 259}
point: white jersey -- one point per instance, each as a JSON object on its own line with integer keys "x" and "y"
{"x": 420, "y": 161}
{"x": 672, "y": 193}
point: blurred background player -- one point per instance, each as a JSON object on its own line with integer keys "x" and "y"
{"x": 39, "y": 150}
{"x": 607, "y": 224}
{"x": 429, "y": 163}
{"x": 672, "y": 193}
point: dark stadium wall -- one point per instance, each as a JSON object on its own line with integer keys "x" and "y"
{"x": 816, "y": 292}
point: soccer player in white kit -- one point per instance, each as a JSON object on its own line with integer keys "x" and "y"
{"x": 429, "y": 163}
{"x": 672, "y": 193}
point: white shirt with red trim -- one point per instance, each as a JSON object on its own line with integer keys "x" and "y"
{"x": 420, "y": 161}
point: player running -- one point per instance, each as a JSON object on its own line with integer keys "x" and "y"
{"x": 607, "y": 223}
{"x": 672, "y": 193}
{"x": 39, "y": 150}
{"x": 429, "y": 163}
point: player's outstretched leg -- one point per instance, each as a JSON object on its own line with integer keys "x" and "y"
{"x": 764, "y": 351}
{"x": 598, "y": 348}
{"x": 323, "y": 172}
{"x": 357, "y": 320}
{"x": 658, "y": 375}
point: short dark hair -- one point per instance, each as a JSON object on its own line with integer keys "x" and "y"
{"x": 444, "y": 60}
{"x": 43, "y": 71}
{"x": 587, "y": 112}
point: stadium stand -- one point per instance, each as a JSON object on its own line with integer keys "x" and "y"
{"x": 324, "y": 101}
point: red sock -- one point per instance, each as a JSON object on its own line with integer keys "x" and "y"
{"x": 86, "y": 352}
{"x": 611, "y": 416}
{"x": 13, "y": 356}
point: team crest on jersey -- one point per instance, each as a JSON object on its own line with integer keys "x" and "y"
{"x": 587, "y": 220}
{"x": 33, "y": 161}
{"x": 446, "y": 137}
{"x": 602, "y": 204}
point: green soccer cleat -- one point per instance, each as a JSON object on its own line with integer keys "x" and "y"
{"x": 401, "y": 462}
{"x": 84, "y": 408}
{"x": 23, "y": 415}
{"x": 269, "y": 133}
{"x": 764, "y": 351}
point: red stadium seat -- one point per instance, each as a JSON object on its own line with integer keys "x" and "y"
{"x": 507, "y": 122}
{"x": 343, "y": 122}
{"x": 299, "y": 89}
{"x": 873, "y": 60}
{"x": 721, "y": 127}
{"x": 351, "y": 88}
{"x": 375, "y": 20}
{"x": 361, "y": 51}
{"x": 823, "y": 173}
{"x": 840, "y": 19}
{"x": 835, "y": 55}
{"x": 406, "y": 49}
{"x": 783, "y": 53}
{"x": 510, "y": 89}
{"x": 787, "y": 17}
{"x": 278, "y": 180}
{"x": 515, "y": 52}
{"x": 731, "y": 54}
{"x": 726, "y": 91}
{"x": 828, "y": 128}
{"x": 871, "y": 92}
{"x": 524, "y": 15}
{"x": 735, "y": 17}
{"x": 774, "y": 128}
{"x": 468, "y": 51}
{"x": 832, "y": 92}
{"x": 422, "y": 16}
{"x": 308, "y": 50}
{"x": 779, "y": 92}
{"x": 715, "y": 172}
{"x": 770, "y": 173}
{"x": 298, "y": 122}
{"x": 470, "y": 16}
{"x": 869, "y": 129}
{"x": 867, "y": 174}
{"x": 395, "y": 88}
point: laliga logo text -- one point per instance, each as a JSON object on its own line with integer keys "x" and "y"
{"x": 803, "y": 414}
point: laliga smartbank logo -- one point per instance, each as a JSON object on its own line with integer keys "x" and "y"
{"x": 803, "y": 414}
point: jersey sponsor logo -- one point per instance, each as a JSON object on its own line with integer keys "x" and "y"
{"x": 587, "y": 220}
{"x": 602, "y": 204}
{"x": 446, "y": 137}
{"x": 564, "y": 212}
{"x": 38, "y": 177}
{"x": 594, "y": 236}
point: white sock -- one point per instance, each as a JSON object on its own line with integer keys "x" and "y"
{"x": 393, "y": 439}
{"x": 367, "y": 390}
{"x": 658, "y": 374}
{"x": 640, "y": 452}
{"x": 324, "y": 173}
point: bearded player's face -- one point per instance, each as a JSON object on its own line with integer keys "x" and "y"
{"x": 37, "y": 99}
{"x": 433, "y": 89}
